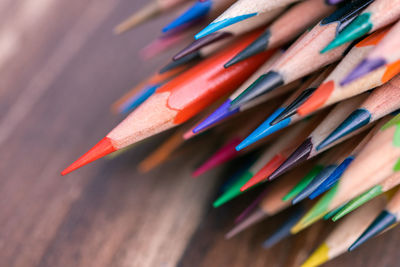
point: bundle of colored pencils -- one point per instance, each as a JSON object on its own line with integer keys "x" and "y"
{"x": 304, "y": 93}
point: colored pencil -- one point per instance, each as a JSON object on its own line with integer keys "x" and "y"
{"x": 332, "y": 213}
{"x": 308, "y": 148}
{"x": 337, "y": 173}
{"x": 318, "y": 167}
{"x": 242, "y": 10}
{"x": 331, "y": 91}
{"x": 227, "y": 151}
{"x": 317, "y": 212}
{"x": 253, "y": 206}
{"x": 377, "y": 161}
{"x": 198, "y": 11}
{"x": 272, "y": 201}
{"x": 198, "y": 55}
{"x": 379, "y": 103}
{"x": 291, "y": 65}
{"x": 143, "y": 90}
{"x": 290, "y": 111}
{"x": 152, "y": 9}
{"x": 385, "y": 53}
{"x": 220, "y": 129}
{"x": 228, "y": 127}
{"x": 285, "y": 28}
{"x": 233, "y": 190}
{"x": 334, "y": 156}
{"x": 344, "y": 234}
{"x": 177, "y": 101}
{"x": 386, "y": 188}
{"x": 284, "y": 229}
{"x": 376, "y": 16}
{"x": 229, "y": 32}
{"x": 389, "y": 217}
{"x": 245, "y": 164}
{"x": 223, "y": 112}
{"x": 277, "y": 153}
{"x": 284, "y": 113}
{"x": 333, "y": 177}
{"x": 304, "y": 91}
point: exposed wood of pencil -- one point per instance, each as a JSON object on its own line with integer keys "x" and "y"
{"x": 345, "y": 233}
{"x": 376, "y": 161}
{"x": 332, "y": 90}
{"x": 243, "y": 7}
{"x": 286, "y": 27}
{"x": 280, "y": 150}
{"x": 272, "y": 202}
{"x": 336, "y": 116}
{"x": 308, "y": 149}
{"x": 376, "y": 16}
{"x": 177, "y": 101}
{"x": 384, "y": 99}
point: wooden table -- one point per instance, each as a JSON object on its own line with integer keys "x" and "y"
{"x": 61, "y": 68}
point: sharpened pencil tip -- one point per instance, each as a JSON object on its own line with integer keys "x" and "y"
{"x": 284, "y": 229}
{"x": 233, "y": 191}
{"x": 382, "y": 222}
{"x": 354, "y": 121}
{"x": 219, "y": 114}
{"x": 195, "y": 12}
{"x": 320, "y": 256}
{"x": 264, "y": 130}
{"x": 190, "y": 58}
{"x": 357, "y": 202}
{"x": 333, "y": 178}
{"x": 264, "y": 172}
{"x": 264, "y": 84}
{"x": 216, "y": 26}
{"x": 314, "y": 183}
{"x": 317, "y": 99}
{"x": 245, "y": 213}
{"x": 102, "y": 148}
{"x": 222, "y": 155}
{"x": 303, "y": 182}
{"x": 200, "y": 43}
{"x": 365, "y": 67}
{"x": 291, "y": 109}
{"x": 356, "y": 29}
{"x": 255, "y": 217}
{"x": 298, "y": 156}
{"x": 258, "y": 46}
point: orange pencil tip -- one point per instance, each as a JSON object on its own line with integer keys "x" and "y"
{"x": 317, "y": 99}
{"x": 102, "y": 148}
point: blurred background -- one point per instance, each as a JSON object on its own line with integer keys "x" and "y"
{"x": 61, "y": 69}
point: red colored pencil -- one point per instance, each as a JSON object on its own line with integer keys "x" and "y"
{"x": 178, "y": 100}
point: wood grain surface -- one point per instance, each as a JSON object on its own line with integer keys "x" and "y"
{"x": 61, "y": 68}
